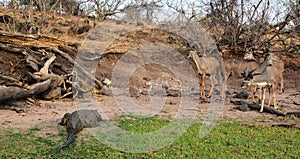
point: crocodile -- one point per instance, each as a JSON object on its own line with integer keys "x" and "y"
{"x": 76, "y": 122}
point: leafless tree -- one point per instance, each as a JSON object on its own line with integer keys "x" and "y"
{"x": 142, "y": 10}
{"x": 105, "y": 8}
{"x": 185, "y": 10}
{"x": 241, "y": 24}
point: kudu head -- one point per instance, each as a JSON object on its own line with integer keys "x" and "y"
{"x": 249, "y": 56}
{"x": 269, "y": 59}
{"x": 248, "y": 76}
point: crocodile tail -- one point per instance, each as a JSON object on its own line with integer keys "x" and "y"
{"x": 67, "y": 142}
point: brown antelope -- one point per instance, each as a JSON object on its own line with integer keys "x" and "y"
{"x": 263, "y": 80}
{"x": 250, "y": 63}
{"x": 212, "y": 67}
{"x": 277, "y": 65}
{"x": 269, "y": 77}
{"x": 235, "y": 68}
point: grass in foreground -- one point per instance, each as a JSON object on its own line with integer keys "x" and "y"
{"x": 227, "y": 140}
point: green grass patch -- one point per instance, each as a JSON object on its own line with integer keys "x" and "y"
{"x": 226, "y": 140}
{"x": 139, "y": 124}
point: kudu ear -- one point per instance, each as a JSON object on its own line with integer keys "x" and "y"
{"x": 252, "y": 71}
{"x": 250, "y": 76}
{"x": 244, "y": 73}
{"x": 269, "y": 59}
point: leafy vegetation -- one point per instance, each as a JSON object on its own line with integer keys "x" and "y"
{"x": 226, "y": 140}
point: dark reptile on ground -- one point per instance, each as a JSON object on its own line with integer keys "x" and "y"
{"x": 76, "y": 121}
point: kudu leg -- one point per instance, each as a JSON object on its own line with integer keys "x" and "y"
{"x": 222, "y": 83}
{"x": 263, "y": 99}
{"x": 212, "y": 85}
{"x": 253, "y": 90}
{"x": 202, "y": 93}
{"x": 223, "y": 87}
{"x": 274, "y": 96}
{"x": 270, "y": 96}
{"x": 260, "y": 93}
{"x": 281, "y": 86}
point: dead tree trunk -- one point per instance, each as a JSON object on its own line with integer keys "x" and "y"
{"x": 42, "y": 60}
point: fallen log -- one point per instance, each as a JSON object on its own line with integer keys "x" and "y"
{"x": 28, "y": 40}
{"x": 15, "y": 93}
{"x": 30, "y": 66}
{"x": 255, "y": 106}
{"x": 72, "y": 62}
{"x": 77, "y": 65}
{"x": 34, "y": 62}
{"x": 10, "y": 48}
{"x": 46, "y": 89}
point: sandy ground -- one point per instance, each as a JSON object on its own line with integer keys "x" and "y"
{"x": 24, "y": 116}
